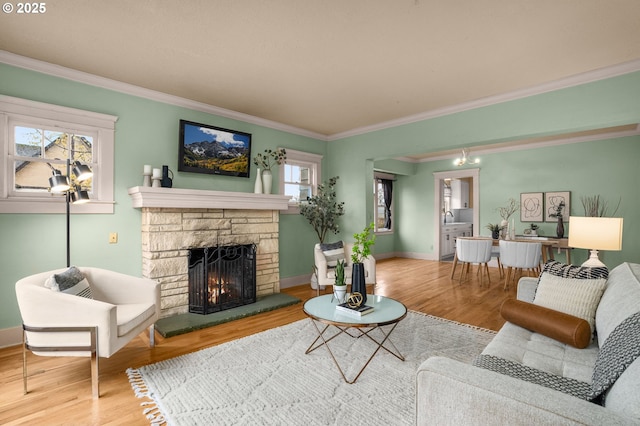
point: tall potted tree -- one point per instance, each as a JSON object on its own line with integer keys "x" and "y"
{"x": 361, "y": 250}
{"x": 322, "y": 211}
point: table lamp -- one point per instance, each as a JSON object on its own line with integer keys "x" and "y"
{"x": 595, "y": 233}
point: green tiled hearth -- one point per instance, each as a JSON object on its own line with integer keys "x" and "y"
{"x": 184, "y": 323}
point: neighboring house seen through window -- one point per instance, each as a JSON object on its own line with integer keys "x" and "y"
{"x": 39, "y": 138}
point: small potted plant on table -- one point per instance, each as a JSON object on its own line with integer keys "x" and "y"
{"x": 340, "y": 287}
{"x": 495, "y": 230}
{"x": 361, "y": 250}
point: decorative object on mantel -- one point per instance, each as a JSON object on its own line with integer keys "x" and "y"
{"x": 257, "y": 187}
{"x": 157, "y": 177}
{"x": 146, "y": 181}
{"x": 508, "y": 230}
{"x": 167, "y": 182}
{"x": 361, "y": 250}
{"x": 266, "y": 161}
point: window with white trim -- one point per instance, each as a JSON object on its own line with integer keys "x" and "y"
{"x": 383, "y": 199}
{"x": 299, "y": 177}
{"x": 37, "y": 138}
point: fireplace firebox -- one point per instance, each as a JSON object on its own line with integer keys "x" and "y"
{"x": 221, "y": 278}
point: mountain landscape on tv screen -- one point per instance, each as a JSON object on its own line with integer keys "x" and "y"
{"x": 217, "y": 156}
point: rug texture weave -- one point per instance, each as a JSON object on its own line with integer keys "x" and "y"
{"x": 267, "y": 379}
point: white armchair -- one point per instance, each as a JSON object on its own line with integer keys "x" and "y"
{"x": 327, "y": 276}
{"x": 61, "y": 324}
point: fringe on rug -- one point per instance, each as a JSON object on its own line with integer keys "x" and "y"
{"x": 140, "y": 389}
{"x": 474, "y": 327}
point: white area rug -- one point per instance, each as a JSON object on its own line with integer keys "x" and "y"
{"x": 266, "y": 379}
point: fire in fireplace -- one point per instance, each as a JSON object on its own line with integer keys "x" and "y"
{"x": 221, "y": 278}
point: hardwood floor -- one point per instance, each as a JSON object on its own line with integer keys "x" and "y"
{"x": 60, "y": 388}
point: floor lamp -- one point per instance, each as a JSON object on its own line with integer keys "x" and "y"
{"x": 73, "y": 193}
{"x": 595, "y": 233}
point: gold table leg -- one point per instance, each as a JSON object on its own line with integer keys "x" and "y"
{"x": 380, "y": 345}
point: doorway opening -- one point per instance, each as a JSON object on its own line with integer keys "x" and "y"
{"x": 457, "y": 208}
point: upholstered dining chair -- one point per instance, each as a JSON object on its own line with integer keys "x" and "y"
{"x": 518, "y": 256}
{"x": 474, "y": 250}
{"x": 95, "y": 316}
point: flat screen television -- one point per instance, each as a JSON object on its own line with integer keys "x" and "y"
{"x": 213, "y": 150}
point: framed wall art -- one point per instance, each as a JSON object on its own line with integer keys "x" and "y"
{"x": 531, "y": 207}
{"x": 213, "y": 150}
{"x": 557, "y": 201}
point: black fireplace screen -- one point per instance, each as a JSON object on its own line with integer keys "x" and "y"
{"x": 221, "y": 278}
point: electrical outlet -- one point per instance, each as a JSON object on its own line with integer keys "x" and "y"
{"x": 113, "y": 237}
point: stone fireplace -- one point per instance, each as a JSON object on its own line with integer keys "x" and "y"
{"x": 175, "y": 221}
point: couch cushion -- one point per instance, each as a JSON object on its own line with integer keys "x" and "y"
{"x": 332, "y": 253}
{"x": 563, "y": 327}
{"x": 132, "y": 315}
{"x": 71, "y": 281}
{"x": 620, "y": 300}
{"x": 534, "y": 350}
{"x": 560, "y": 269}
{"x": 573, "y": 296}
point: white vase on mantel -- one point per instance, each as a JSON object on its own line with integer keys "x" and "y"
{"x": 257, "y": 188}
{"x": 267, "y": 179}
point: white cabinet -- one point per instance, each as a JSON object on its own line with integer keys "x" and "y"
{"x": 448, "y": 236}
{"x": 459, "y": 194}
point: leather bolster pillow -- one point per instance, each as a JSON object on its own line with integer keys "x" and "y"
{"x": 557, "y": 325}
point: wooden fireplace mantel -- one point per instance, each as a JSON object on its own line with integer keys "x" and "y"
{"x": 178, "y": 198}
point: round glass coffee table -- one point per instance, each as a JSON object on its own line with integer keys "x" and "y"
{"x": 386, "y": 312}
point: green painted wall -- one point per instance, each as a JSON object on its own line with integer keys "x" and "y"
{"x": 146, "y": 133}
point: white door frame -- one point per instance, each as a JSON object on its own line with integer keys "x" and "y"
{"x": 474, "y": 174}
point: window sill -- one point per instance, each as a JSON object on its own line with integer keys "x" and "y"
{"x": 292, "y": 209}
{"x": 46, "y": 205}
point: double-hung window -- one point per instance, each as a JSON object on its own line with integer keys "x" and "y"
{"x": 37, "y": 139}
{"x": 383, "y": 199}
{"x": 299, "y": 177}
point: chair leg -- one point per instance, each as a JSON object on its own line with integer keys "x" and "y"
{"x": 455, "y": 263}
{"x": 24, "y": 361}
{"x": 500, "y": 268}
{"x": 152, "y": 335}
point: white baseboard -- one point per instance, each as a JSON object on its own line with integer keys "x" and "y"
{"x": 294, "y": 281}
{"x": 10, "y": 337}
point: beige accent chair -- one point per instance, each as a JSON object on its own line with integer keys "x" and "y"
{"x": 61, "y": 324}
{"x": 327, "y": 276}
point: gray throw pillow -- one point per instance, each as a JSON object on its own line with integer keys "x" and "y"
{"x": 333, "y": 252}
{"x": 71, "y": 281}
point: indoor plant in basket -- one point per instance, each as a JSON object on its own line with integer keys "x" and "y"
{"x": 361, "y": 250}
{"x": 340, "y": 287}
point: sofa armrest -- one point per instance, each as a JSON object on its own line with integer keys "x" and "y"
{"x": 527, "y": 289}
{"x": 452, "y": 392}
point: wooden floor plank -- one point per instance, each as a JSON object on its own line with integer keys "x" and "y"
{"x": 60, "y": 389}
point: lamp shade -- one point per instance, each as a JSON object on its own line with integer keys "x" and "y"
{"x": 80, "y": 196}
{"x": 82, "y": 172}
{"x": 59, "y": 182}
{"x": 595, "y": 233}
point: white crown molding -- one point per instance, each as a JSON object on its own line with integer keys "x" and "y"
{"x": 130, "y": 89}
{"x": 576, "y": 80}
{"x": 479, "y": 150}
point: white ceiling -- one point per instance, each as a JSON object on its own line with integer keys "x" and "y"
{"x": 330, "y": 66}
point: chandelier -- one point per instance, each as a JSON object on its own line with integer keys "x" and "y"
{"x": 465, "y": 159}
